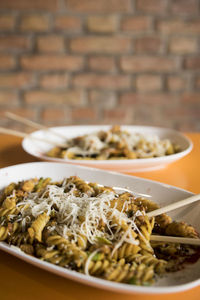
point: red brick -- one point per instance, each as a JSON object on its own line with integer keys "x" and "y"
{"x": 54, "y": 81}
{"x": 102, "y": 24}
{"x": 24, "y": 5}
{"x": 101, "y": 63}
{"x": 16, "y": 80}
{"x": 117, "y": 116}
{"x": 178, "y": 26}
{"x": 8, "y": 98}
{"x": 148, "y": 45}
{"x": 142, "y": 116}
{"x": 176, "y": 83}
{"x": 100, "y": 6}
{"x": 7, "y": 22}
{"x": 148, "y": 64}
{"x": 197, "y": 82}
{"x": 183, "y": 45}
{"x": 184, "y": 117}
{"x": 33, "y": 22}
{"x": 189, "y": 126}
{"x": 192, "y": 63}
{"x": 148, "y": 83}
{"x": 44, "y": 97}
{"x": 51, "y": 44}
{"x": 105, "y": 99}
{"x": 114, "y": 82}
{"x": 52, "y": 62}
{"x": 14, "y": 42}
{"x": 184, "y": 7}
{"x": 179, "y": 112}
{"x": 129, "y": 98}
{"x": 151, "y": 6}
{"x": 68, "y": 23}
{"x": 7, "y": 62}
{"x": 136, "y": 23}
{"x": 191, "y": 98}
{"x": 53, "y": 115}
{"x": 86, "y": 114}
{"x": 100, "y": 45}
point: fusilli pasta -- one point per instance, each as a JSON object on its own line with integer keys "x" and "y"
{"x": 91, "y": 229}
{"x": 114, "y": 143}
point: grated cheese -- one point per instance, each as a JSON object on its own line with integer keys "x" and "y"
{"x": 78, "y": 216}
{"x": 147, "y": 145}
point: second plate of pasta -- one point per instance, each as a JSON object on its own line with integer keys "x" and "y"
{"x": 124, "y": 149}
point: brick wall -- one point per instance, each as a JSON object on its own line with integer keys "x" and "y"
{"x": 94, "y": 62}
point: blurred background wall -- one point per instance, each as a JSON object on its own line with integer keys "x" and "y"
{"x": 101, "y": 61}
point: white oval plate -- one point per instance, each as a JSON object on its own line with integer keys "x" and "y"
{"x": 38, "y": 149}
{"x": 161, "y": 193}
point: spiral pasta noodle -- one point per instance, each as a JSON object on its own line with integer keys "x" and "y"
{"x": 35, "y": 231}
{"x": 146, "y": 228}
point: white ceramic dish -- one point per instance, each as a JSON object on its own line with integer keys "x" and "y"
{"x": 38, "y": 149}
{"x": 185, "y": 279}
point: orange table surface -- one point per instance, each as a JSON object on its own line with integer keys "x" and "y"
{"x": 19, "y": 280}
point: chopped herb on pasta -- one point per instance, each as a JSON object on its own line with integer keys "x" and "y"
{"x": 91, "y": 229}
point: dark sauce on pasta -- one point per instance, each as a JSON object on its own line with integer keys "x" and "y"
{"x": 179, "y": 259}
{"x": 192, "y": 259}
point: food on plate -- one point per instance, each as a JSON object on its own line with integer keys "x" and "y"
{"x": 91, "y": 229}
{"x": 114, "y": 143}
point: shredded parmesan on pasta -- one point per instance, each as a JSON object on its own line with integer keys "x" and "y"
{"x": 147, "y": 145}
{"x": 78, "y": 216}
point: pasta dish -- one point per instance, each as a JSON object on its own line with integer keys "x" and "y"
{"x": 91, "y": 229}
{"x": 114, "y": 143}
